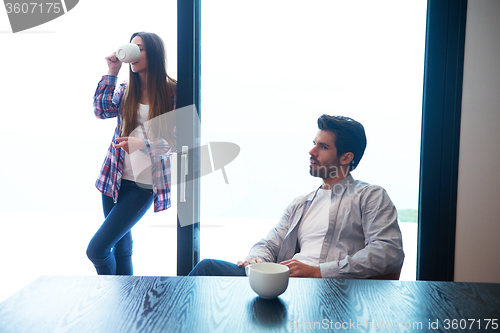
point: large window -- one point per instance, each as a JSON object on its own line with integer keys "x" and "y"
{"x": 54, "y": 145}
{"x": 269, "y": 69}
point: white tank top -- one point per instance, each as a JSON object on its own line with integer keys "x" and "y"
{"x": 137, "y": 166}
{"x": 313, "y": 228}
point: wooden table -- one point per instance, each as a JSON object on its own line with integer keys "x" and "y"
{"x": 210, "y": 304}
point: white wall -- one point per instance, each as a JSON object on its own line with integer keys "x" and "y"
{"x": 478, "y": 214}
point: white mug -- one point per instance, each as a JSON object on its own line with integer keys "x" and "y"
{"x": 267, "y": 279}
{"x": 128, "y": 53}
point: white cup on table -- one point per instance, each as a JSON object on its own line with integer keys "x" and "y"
{"x": 267, "y": 279}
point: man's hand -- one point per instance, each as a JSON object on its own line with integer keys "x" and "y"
{"x": 129, "y": 144}
{"x": 299, "y": 269}
{"x": 249, "y": 262}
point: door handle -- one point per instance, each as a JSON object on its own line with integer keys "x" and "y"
{"x": 184, "y": 173}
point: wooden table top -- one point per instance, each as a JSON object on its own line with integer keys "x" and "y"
{"x": 227, "y": 304}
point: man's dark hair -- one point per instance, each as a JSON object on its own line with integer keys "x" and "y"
{"x": 350, "y": 136}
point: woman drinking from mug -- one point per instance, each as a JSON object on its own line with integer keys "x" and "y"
{"x": 144, "y": 135}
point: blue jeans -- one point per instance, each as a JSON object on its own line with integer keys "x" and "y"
{"x": 110, "y": 250}
{"x": 212, "y": 267}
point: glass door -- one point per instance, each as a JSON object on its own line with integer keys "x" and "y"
{"x": 49, "y": 206}
{"x": 270, "y": 68}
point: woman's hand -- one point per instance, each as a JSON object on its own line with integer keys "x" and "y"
{"x": 129, "y": 144}
{"x": 114, "y": 64}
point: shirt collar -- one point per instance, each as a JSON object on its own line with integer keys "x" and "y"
{"x": 337, "y": 189}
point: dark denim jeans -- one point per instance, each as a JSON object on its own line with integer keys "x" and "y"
{"x": 110, "y": 250}
{"x": 212, "y": 267}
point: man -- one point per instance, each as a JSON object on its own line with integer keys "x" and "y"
{"x": 344, "y": 229}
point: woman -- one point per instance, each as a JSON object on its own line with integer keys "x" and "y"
{"x": 144, "y": 135}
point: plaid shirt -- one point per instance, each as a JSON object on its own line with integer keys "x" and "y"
{"x": 107, "y": 104}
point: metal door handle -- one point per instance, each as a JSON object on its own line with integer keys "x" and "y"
{"x": 184, "y": 172}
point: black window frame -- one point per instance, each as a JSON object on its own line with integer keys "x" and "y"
{"x": 440, "y": 143}
{"x": 188, "y": 93}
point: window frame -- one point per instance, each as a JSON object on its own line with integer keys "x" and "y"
{"x": 188, "y": 93}
{"x": 440, "y": 137}
{"x": 440, "y": 143}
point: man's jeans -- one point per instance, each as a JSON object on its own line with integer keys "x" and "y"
{"x": 110, "y": 250}
{"x": 212, "y": 267}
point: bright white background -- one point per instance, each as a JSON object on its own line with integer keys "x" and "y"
{"x": 53, "y": 146}
{"x": 269, "y": 69}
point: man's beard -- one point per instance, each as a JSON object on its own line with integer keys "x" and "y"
{"x": 326, "y": 171}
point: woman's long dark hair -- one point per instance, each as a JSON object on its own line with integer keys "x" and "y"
{"x": 160, "y": 89}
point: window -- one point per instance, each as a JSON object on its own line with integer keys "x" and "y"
{"x": 49, "y": 207}
{"x": 269, "y": 69}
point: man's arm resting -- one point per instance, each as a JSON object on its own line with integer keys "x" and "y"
{"x": 299, "y": 269}
{"x": 268, "y": 248}
{"x": 378, "y": 258}
{"x": 383, "y": 251}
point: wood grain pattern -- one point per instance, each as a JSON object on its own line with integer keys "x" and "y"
{"x": 225, "y": 304}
